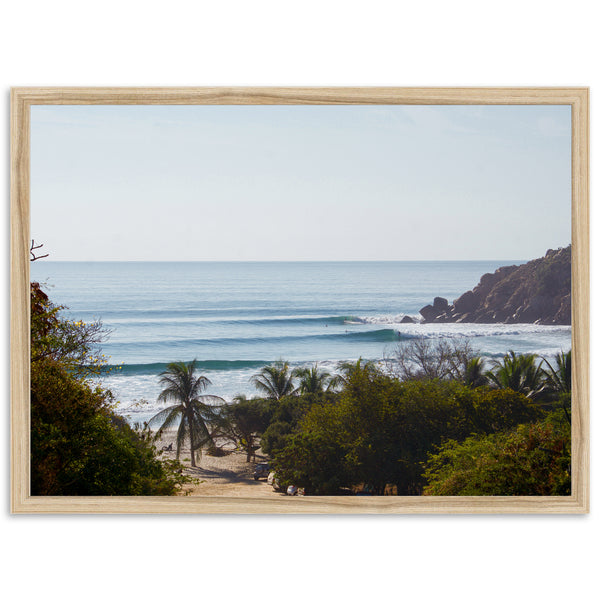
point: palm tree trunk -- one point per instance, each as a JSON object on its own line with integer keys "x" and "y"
{"x": 192, "y": 451}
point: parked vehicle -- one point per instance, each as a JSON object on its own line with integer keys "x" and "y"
{"x": 261, "y": 470}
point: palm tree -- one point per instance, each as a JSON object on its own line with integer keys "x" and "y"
{"x": 194, "y": 411}
{"x": 474, "y": 374}
{"x": 518, "y": 372}
{"x": 275, "y": 380}
{"x": 558, "y": 381}
{"x": 312, "y": 380}
{"x": 349, "y": 369}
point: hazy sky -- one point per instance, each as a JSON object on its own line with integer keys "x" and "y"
{"x": 300, "y": 182}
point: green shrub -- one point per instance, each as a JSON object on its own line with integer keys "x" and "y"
{"x": 381, "y": 431}
{"x": 534, "y": 459}
{"x": 79, "y": 446}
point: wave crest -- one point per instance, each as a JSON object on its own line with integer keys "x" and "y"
{"x": 203, "y": 365}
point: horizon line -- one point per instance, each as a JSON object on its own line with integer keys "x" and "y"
{"x": 390, "y": 260}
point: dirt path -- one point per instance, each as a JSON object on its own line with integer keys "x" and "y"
{"x": 228, "y": 475}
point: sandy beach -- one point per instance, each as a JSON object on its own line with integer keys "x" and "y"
{"x": 229, "y": 475}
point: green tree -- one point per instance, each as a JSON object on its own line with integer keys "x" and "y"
{"x": 74, "y": 344}
{"x": 313, "y": 380}
{"x": 519, "y": 372}
{"x": 380, "y": 430}
{"x": 79, "y": 446}
{"x": 276, "y": 380}
{"x": 296, "y": 463}
{"x": 559, "y": 377}
{"x": 558, "y": 382}
{"x": 285, "y": 419}
{"x": 348, "y": 370}
{"x": 474, "y": 373}
{"x": 245, "y": 420}
{"x": 534, "y": 459}
{"x": 193, "y": 412}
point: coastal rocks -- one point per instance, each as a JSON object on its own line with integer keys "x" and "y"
{"x": 440, "y": 304}
{"x": 536, "y": 292}
{"x": 429, "y": 313}
{"x": 468, "y": 302}
{"x": 407, "y": 319}
{"x": 563, "y": 314}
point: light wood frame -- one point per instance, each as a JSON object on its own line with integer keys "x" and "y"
{"x": 21, "y": 101}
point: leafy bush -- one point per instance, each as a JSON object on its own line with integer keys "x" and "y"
{"x": 284, "y": 419}
{"x": 381, "y": 431}
{"x": 534, "y": 459}
{"x": 79, "y": 446}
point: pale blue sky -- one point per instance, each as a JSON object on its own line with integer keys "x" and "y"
{"x": 300, "y": 182}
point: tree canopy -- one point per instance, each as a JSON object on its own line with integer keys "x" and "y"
{"x": 79, "y": 446}
{"x": 380, "y": 431}
{"x": 533, "y": 459}
{"x": 275, "y": 381}
{"x": 245, "y": 420}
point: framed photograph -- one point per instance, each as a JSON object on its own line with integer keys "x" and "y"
{"x": 300, "y": 300}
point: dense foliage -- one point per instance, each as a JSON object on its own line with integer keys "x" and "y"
{"x": 286, "y": 416}
{"x": 79, "y": 446}
{"x": 534, "y": 459}
{"x": 73, "y": 344}
{"x": 380, "y": 431}
{"x": 396, "y": 430}
{"x": 245, "y": 420}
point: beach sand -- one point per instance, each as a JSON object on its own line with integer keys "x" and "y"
{"x": 228, "y": 475}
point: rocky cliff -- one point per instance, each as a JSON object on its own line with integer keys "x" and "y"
{"x": 537, "y": 292}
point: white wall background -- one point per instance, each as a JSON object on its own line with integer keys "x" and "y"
{"x": 471, "y": 43}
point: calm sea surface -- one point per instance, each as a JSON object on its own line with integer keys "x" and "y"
{"x": 237, "y": 317}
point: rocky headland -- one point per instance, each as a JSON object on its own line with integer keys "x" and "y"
{"x": 536, "y": 292}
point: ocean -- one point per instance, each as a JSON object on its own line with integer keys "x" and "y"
{"x": 235, "y": 317}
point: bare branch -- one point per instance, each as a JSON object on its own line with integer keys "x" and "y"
{"x": 422, "y": 358}
{"x": 34, "y": 247}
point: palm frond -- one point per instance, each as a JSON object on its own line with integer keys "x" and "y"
{"x": 519, "y": 372}
{"x": 559, "y": 378}
{"x": 275, "y": 380}
{"x": 211, "y": 400}
{"x": 335, "y": 382}
{"x": 312, "y": 380}
{"x": 165, "y": 414}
